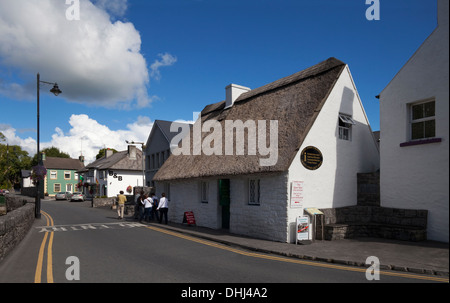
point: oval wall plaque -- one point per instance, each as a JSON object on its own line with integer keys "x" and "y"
{"x": 311, "y": 158}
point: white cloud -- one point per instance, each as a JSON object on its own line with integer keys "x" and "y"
{"x": 28, "y": 144}
{"x": 94, "y": 60}
{"x": 166, "y": 60}
{"x": 85, "y": 136}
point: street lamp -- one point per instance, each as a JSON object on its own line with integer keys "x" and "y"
{"x": 56, "y": 91}
{"x": 143, "y": 172}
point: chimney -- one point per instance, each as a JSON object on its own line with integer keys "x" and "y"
{"x": 132, "y": 152}
{"x": 81, "y": 158}
{"x": 109, "y": 153}
{"x": 43, "y": 156}
{"x": 232, "y": 92}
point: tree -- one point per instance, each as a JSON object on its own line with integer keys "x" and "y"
{"x": 51, "y": 152}
{"x": 12, "y": 160}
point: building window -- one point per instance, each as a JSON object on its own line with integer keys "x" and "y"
{"x": 167, "y": 190}
{"x": 345, "y": 127}
{"x": 67, "y": 175}
{"x": 423, "y": 123}
{"x": 253, "y": 192}
{"x": 53, "y": 175}
{"x": 56, "y": 188}
{"x": 204, "y": 191}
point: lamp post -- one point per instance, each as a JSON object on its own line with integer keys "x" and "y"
{"x": 56, "y": 91}
{"x": 143, "y": 167}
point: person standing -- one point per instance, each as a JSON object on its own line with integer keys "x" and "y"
{"x": 137, "y": 207}
{"x": 155, "y": 206}
{"x": 121, "y": 199}
{"x": 163, "y": 208}
{"x": 147, "y": 209}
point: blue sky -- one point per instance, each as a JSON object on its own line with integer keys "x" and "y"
{"x": 125, "y": 63}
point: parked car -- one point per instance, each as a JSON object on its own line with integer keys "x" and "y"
{"x": 77, "y": 196}
{"x": 4, "y": 191}
{"x": 63, "y": 195}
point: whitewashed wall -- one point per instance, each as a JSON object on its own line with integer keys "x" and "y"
{"x": 334, "y": 184}
{"x": 185, "y": 196}
{"x": 114, "y": 186}
{"x": 418, "y": 176}
{"x": 267, "y": 220}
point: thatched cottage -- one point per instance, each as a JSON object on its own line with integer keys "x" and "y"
{"x": 308, "y": 130}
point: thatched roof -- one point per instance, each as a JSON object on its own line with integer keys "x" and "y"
{"x": 294, "y": 102}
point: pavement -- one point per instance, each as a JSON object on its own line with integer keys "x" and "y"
{"x": 425, "y": 257}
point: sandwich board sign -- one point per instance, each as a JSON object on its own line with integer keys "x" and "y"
{"x": 189, "y": 218}
{"x": 302, "y": 227}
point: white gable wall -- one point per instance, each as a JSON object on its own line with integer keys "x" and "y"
{"x": 417, "y": 176}
{"x": 334, "y": 184}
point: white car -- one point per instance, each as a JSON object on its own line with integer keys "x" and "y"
{"x": 63, "y": 196}
{"x": 77, "y": 196}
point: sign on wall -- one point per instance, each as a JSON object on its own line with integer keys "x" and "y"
{"x": 114, "y": 175}
{"x": 311, "y": 158}
{"x": 297, "y": 194}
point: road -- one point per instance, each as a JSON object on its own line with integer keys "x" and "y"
{"x": 73, "y": 242}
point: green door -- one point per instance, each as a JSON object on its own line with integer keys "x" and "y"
{"x": 224, "y": 200}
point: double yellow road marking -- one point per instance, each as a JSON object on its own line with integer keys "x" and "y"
{"x": 49, "y": 235}
{"x": 296, "y": 261}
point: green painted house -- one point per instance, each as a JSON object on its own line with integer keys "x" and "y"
{"x": 62, "y": 174}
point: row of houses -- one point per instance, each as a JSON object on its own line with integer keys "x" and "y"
{"x": 314, "y": 141}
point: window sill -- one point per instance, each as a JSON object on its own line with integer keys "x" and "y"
{"x": 420, "y": 142}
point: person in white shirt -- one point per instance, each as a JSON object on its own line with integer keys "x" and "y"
{"x": 163, "y": 208}
{"x": 148, "y": 203}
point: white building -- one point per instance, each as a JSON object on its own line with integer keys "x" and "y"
{"x": 113, "y": 173}
{"x": 317, "y": 116}
{"x": 414, "y": 125}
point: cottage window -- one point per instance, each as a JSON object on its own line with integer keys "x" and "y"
{"x": 253, "y": 192}
{"x": 345, "y": 127}
{"x": 204, "y": 191}
{"x": 53, "y": 175}
{"x": 56, "y": 188}
{"x": 67, "y": 175}
{"x": 423, "y": 123}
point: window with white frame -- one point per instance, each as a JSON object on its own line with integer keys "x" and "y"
{"x": 53, "y": 175}
{"x": 423, "y": 123}
{"x": 204, "y": 191}
{"x": 254, "y": 192}
{"x": 67, "y": 175}
{"x": 56, "y": 187}
{"x": 345, "y": 127}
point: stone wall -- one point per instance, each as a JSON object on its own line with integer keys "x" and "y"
{"x": 368, "y": 189}
{"x": 374, "y": 221}
{"x": 15, "y": 224}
